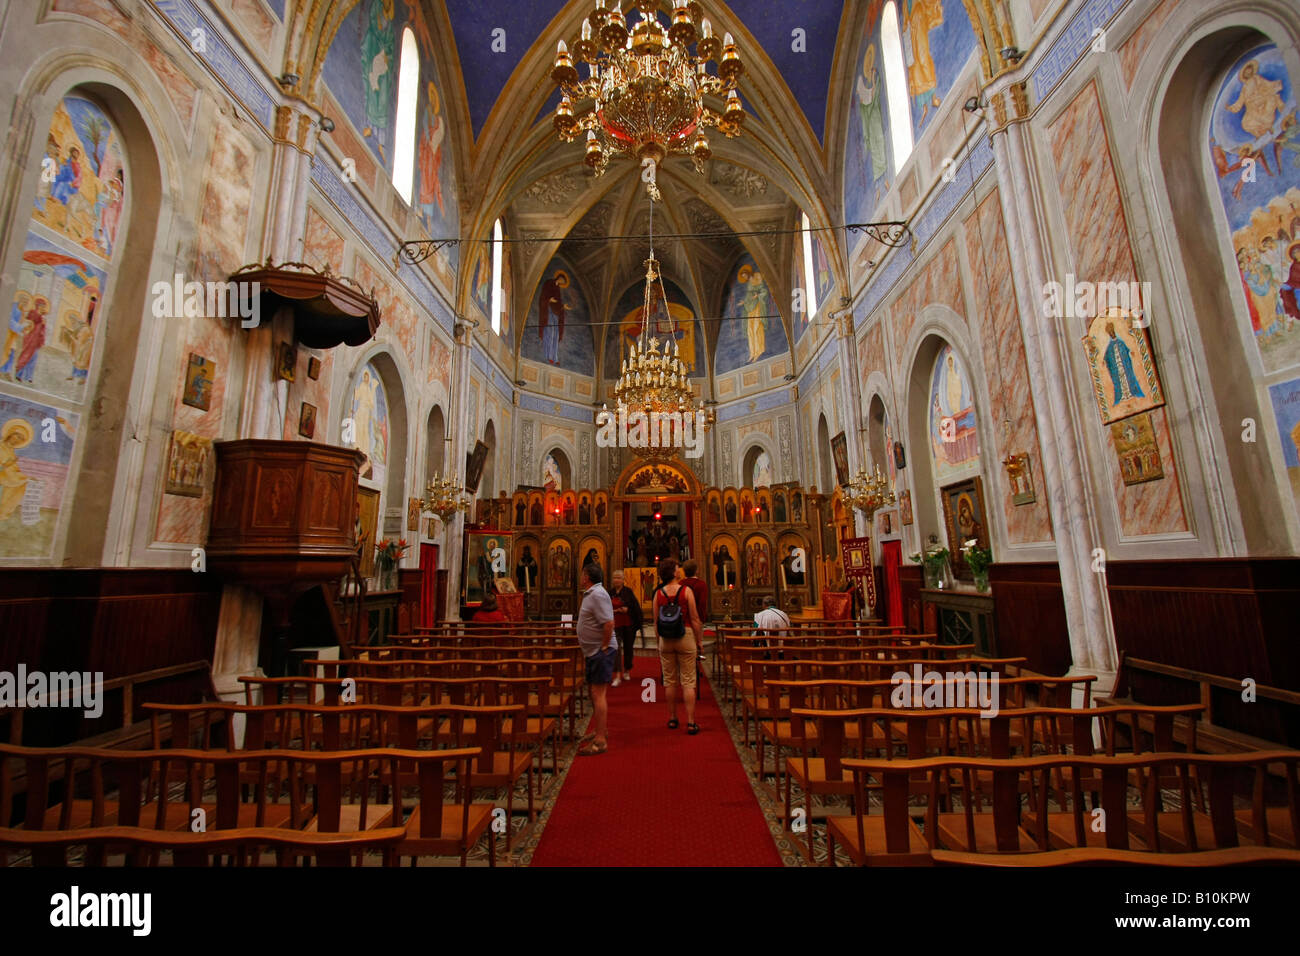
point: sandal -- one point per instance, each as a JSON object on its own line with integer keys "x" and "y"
{"x": 672, "y": 724}
{"x": 592, "y": 749}
{"x": 692, "y": 729}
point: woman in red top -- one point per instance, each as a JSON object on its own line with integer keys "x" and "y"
{"x": 488, "y": 610}
{"x": 627, "y": 622}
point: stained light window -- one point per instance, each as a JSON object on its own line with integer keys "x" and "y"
{"x": 497, "y": 291}
{"x": 408, "y": 91}
{"x": 900, "y": 115}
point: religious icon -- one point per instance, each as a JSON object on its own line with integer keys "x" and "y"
{"x": 187, "y": 464}
{"x": 840, "y": 454}
{"x": 963, "y": 514}
{"x": 526, "y": 570}
{"x": 905, "y": 507}
{"x": 1123, "y": 373}
{"x": 287, "y": 361}
{"x": 793, "y": 570}
{"x": 1137, "y": 450}
{"x": 412, "y": 514}
{"x": 307, "y": 421}
{"x": 758, "y": 564}
{"x": 559, "y": 566}
{"x": 199, "y": 377}
{"x": 887, "y": 523}
{"x": 313, "y": 368}
{"x": 724, "y": 567}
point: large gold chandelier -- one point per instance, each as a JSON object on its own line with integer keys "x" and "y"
{"x": 653, "y": 378}
{"x": 443, "y": 497}
{"x": 869, "y": 493}
{"x": 644, "y": 94}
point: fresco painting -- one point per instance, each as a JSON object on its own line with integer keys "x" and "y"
{"x": 36, "y": 445}
{"x": 751, "y": 326}
{"x": 558, "y": 329}
{"x": 370, "y": 423}
{"x": 677, "y": 319}
{"x": 362, "y": 76}
{"x": 1254, "y": 147}
{"x": 954, "y": 442}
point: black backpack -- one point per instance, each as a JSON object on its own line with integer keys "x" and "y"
{"x": 668, "y": 617}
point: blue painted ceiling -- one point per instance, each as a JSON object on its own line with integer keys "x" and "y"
{"x": 806, "y": 72}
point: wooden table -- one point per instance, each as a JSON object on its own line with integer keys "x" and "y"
{"x": 960, "y": 616}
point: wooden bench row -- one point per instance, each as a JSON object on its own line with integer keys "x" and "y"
{"x": 341, "y": 792}
{"x": 1063, "y": 810}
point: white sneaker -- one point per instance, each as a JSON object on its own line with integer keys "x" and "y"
{"x": 627, "y": 676}
{"x": 616, "y": 681}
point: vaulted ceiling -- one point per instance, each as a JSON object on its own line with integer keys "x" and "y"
{"x": 520, "y": 171}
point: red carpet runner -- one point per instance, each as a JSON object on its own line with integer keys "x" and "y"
{"x": 657, "y": 797}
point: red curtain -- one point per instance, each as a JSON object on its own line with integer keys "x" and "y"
{"x": 428, "y": 584}
{"x": 891, "y": 556}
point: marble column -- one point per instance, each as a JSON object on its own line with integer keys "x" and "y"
{"x": 846, "y": 345}
{"x": 453, "y": 464}
{"x": 1047, "y": 345}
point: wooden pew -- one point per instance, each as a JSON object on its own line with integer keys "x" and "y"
{"x": 310, "y": 790}
{"x": 1060, "y": 824}
{"x": 141, "y": 846}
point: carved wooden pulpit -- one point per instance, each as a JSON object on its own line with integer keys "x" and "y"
{"x": 283, "y": 519}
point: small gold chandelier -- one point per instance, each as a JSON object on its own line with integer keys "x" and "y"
{"x": 868, "y": 493}
{"x": 645, "y": 86}
{"x": 442, "y": 496}
{"x": 653, "y": 380}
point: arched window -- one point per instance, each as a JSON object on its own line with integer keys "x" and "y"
{"x": 809, "y": 273}
{"x": 496, "y": 277}
{"x": 900, "y": 116}
{"x": 758, "y": 468}
{"x": 408, "y": 90}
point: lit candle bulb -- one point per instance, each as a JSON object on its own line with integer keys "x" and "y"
{"x": 561, "y": 48}
{"x": 706, "y": 28}
{"x": 586, "y": 29}
{"x": 727, "y": 40}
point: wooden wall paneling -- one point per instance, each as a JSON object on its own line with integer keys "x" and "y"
{"x": 1236, "y": 617}
{"x": 1029, "y": 615}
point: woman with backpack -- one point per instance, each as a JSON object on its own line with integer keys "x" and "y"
{"x": 677, "y": 623}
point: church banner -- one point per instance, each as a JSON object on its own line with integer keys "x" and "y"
{"x": 857, "y": 564}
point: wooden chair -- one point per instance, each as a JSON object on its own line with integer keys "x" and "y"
{"x": 141, "y": 846}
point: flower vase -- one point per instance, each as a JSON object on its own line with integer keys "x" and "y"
{"x": 387, "y": 573}
{"x": 933, "y": 574}
{"x": 981, "y": 579}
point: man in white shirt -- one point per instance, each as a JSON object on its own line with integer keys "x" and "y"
{"x": 771, "y": 622}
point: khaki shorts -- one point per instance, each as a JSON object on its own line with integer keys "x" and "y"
{"x": 678, "y": 660}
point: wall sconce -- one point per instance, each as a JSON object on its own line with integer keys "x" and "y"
{"x": 289, "y": 80}
{"x": 1012, "y": 54}
{"x": 1020, "y": 476}
{"x": 326, "y": 124}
